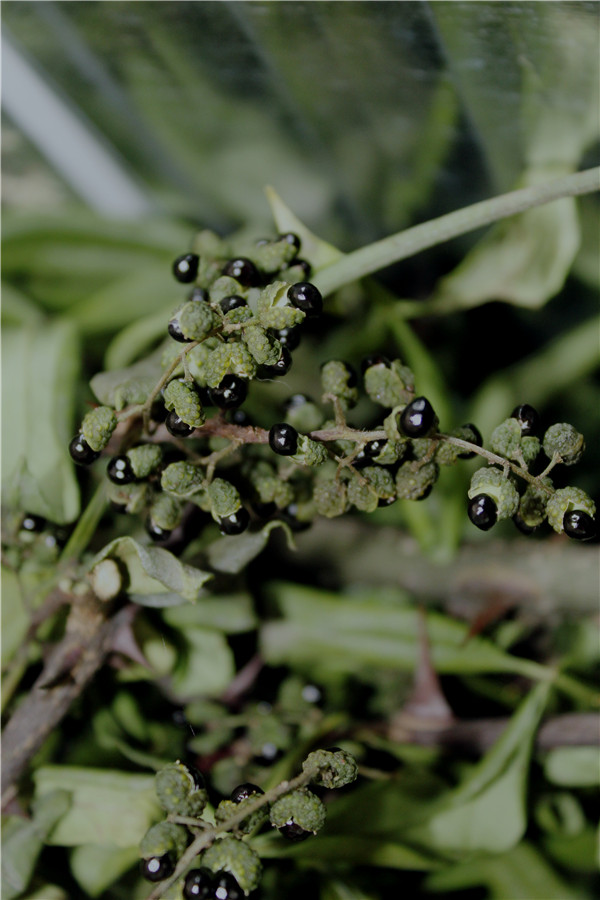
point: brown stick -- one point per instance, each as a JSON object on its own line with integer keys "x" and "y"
{"x": 69, "y": 669}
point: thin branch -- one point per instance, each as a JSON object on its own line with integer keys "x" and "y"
{"x": 396, "y": 247}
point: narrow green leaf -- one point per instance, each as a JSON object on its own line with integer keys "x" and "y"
{"x": 40, "y": 366}
{"x": 520, "y": 874}
{"x": 318, "y": 251}
{"x": 15, "y": 620}
{"x": 487, "y": 812}
{"x": 135, "y": 339}
{"x": 156, "y": 577}
{"x": 107, "y": 807}
{"x": 362, "y": 850}
{"x": 230, "y": 613}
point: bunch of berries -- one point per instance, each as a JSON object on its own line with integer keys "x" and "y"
{"x": 240, "y": 323}
{"x": 229, "y": 868}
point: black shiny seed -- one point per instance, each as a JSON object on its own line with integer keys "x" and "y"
{"x": 290, "y": 238}
{"x": 232, "y": 302}
{"x": 33, "y": 523}
{"x": 283, "y": 439}
{"x": 199, "y": 295}
{"x": 351, "y": 377}
{"x": 226, "y": 887}
{"x": 199, "y": 884}
{"x": 243, "y": 791}
{"x": 483, "y": 511}
{"x": 523, "y": 527}
{"x": 185, "y": 268}
{"x": 176, "y": 333}
{"x": 425, "y": 493}
{"x": 281, "y": 367}
{"x": 301, "y": 264}
{"x": 579, "y": 525}
{"x": 475, "y": 439}
{"x": 156, "y": 532}
{"x": 307, "y": 297}
{"x": 287, "y": 337}
{"x": 81, "y": 452}
{"x": 527, "y": 417}
{"x": 243, "y": 270}
{"x": 373, "y": 360}
{"x": 235, "y": 523}
{"x": 176, "y": 426}
{"x": 157, "y": 868}
{"x": 293, "y": 832}
{"x": 231, "y": 392}
{"x": 119, "y": 470}
{"x": 416, "y": 418}
{"x": 374, "y": 448}
{"x": 158, "y": 412}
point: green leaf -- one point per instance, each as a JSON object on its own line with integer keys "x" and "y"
{"x": 232, "y": 553}
{"x": 325, "y": 632}
{"x": 40, "y": 366}
{"x": 17, "y": 308}
{"x": 23, "y": 839}
{"x": 107, "y": 807}
{"x": 524, "y": 261}
{"x": 362, "y": 850}
{"x": 520, "y": 874}
{"x": 573, "y": 766}
{"x": 146, "y": 373}
{"x": 336, "y": 889}
{"x": 205, "y": 667}
{"x": 15, "y": 620}
{"x": 135, "y": 339}
{"x": 156, "y": 577}
{"x": 230, "y": 613}
{"x": 487, "y": 812}
{"x": 96, "y": 867}
{"x": 112, "y": 307}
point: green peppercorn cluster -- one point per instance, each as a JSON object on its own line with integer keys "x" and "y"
{"x": 242, "y": 318}
{"x": 494, "y": 490}
{"x": 227, "y": 864}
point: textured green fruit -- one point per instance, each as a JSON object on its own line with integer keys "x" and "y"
{"x": 182, "y": 397}
{"x": 565, "y": 440}
{"x": 493, "y": 483}
{"x": 565, "y": 500}
{"x": 182, "y": 479}
{"x": 227, "y": 808}
{"x": 178, "y": 792}
{"x": 300, "y": 807}
{"x": 165, "y": 837}
{"x": 414, "y": 481}
{"x": 330, "y": 498}
{"x": 336, "y": 767}
{"x": 224, "y": 498}
{"x": 144, "y": 459}
{"x": 229, "y": 854}
{"x": 97, "y": 427}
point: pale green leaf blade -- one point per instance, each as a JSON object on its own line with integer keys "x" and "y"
{"x": 232, "y": 553}
{"x": 206, "y": 666}
{"x": 40, "y": 366}
{"x": 107, "y": 806}
{"x": 230, "y": 613}
{"x": 145, "y": 374}
{"x": 156, "y": 577}
{"x": 96, "y": 867}
{"x": 573, "y": 766}
{"x": 23, "y": 839}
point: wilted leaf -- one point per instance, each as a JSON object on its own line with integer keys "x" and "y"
{"x": 40, "y": 365}
{"x": 156, "y": 577}
{"x": 107, "y": 807}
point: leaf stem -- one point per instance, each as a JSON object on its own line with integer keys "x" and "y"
{"x": 411, "y": 241}
{"x": 85, "y": 527}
